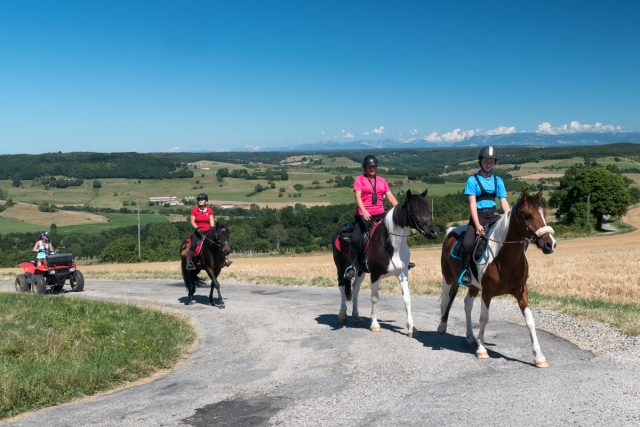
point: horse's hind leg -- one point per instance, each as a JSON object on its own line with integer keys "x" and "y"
{"x": 357, "y": 320}
{"x": 342, "y": 314}
{"x": 406, "y": 296}
{"x": 539, "y": 359}
{"x": 446, "y": 301}
{"x": 468, "y": 308}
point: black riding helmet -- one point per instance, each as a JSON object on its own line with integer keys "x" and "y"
{"x": 488, "y": 152}
{"x": 202, "y": 196}
{"x": 369, "y": 160}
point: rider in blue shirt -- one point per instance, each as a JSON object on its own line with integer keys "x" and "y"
{"x": 482, "y": 189}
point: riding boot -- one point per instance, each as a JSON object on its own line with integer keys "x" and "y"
{"x": 189, "y": 258}
{"x": 465, "y": 276}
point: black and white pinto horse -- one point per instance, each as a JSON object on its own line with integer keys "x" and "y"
{"x": 211, "y": 259}
{"x": 387, "y": 255}
{"x": 502, "y": 271}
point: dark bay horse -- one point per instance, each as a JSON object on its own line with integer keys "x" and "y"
{"x": 504, "y": 270}
{"x": 387, "y": 254}
{"x": 210, "y": 259}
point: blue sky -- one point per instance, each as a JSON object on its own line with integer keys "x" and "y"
{"x": 226, "y": 75}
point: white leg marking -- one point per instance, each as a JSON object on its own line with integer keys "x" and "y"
{"x": 468, "y": 308}
{"x": 342, "y": 314}
{"x": 539, "y": 359}
{"x": 403, "y": 278}
{"x": 375, "y": 326}
{"x": 481, "y": 352}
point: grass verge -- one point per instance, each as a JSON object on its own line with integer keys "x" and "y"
{"x": 624, "y": 317}
{"x": 53, "y": 350}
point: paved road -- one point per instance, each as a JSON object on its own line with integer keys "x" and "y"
{"x": 278, "y": 355}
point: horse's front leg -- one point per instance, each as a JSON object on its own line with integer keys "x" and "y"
{"x": 356, "y": 291}
{"x": 342, "y": 314}
{"x": 403, "y": 278}
{"x": 481, "y": 351}
{"x": 375, "y": 326}
{"x": 215, "y": 284}
{"x": 539, "y": 359}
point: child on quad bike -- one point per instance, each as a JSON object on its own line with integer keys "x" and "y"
{"x": 42, "y": 248}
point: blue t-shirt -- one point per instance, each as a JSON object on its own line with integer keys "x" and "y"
{"x": 473, "y": 189}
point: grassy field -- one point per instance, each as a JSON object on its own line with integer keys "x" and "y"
{"x": 54, "y": 350}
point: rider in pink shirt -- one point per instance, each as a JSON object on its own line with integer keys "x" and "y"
{"x": 369, "y": 191}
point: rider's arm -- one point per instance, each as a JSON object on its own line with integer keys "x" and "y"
{"x": 35, "y": 247}
{"x": 391, "y": 198}
{"x": 474, "y": 215}
{"x": 358, "y": 196}
{"x": 193, "y": 221}
{"x": 504, "y": 203}
{"x": 212, "y": 220}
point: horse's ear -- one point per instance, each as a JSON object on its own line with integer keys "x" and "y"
{"x": 424, "y": 193}
{"x": 525, "y": 193}
{"x": 538, "y": 195}
{"x": 408, "y": 194}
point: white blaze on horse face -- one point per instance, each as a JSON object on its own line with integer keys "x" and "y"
{"x": 545, "y": 227}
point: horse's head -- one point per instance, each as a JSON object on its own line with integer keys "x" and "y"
{"x": 418, "y": 215}
{"x": 530, "y": 216}
{"x": 218, "y": 237}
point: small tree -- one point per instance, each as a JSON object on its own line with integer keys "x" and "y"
{"x": 605, "y": 192}
{"x": 97, "y": 183}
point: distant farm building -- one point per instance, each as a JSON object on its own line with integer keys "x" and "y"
{"x": 166, "y": 201}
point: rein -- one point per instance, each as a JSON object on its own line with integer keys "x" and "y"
{"x": 416, "y": 224}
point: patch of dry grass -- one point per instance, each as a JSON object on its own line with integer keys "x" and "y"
{"x": 31, "y": 214}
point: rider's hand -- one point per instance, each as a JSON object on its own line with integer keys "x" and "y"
{"x": 365, "y": 215}
{"x": 199, "y": 232}
{"x": 479, "y": 230}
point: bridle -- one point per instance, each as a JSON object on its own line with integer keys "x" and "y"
{"x": 413, "y": 223}
{"x": 534, "y": 236}
{"x": 215, "y": 241}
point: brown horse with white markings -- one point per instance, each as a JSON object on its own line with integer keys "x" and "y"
{"x": 503, "y": 270}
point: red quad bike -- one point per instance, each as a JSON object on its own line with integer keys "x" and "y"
{"x": 50, "y": 275}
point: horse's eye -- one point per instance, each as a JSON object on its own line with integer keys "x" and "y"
{"x": 527, "y": 217}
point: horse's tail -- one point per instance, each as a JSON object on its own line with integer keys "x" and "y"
{"x": 341, "y": 262}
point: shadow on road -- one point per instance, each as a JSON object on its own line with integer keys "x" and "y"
{"x": 459, "y": 344}
{"x": 333, "y": 321}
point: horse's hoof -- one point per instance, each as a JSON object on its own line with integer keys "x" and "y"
{"x": 375, "y": 328}
{"x": 191, "y": 302}
{"x": 482, "y": 355}
{"x": 221, "y": 305}
{"x": 412, "y": 333}
{"x": 357, "y": 320}
{"x": 442, "y": 328}
{"x": 541, "y": 364}
{"x": 342, "y": 317}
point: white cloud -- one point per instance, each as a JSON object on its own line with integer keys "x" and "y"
{"x": 379, "y": 130}
{"x": 576, "y": 127}
{"x": 347, "y": 135}
{"x": 432, "y": 137}
{"x": 413, "y": 132}
{"x": 502, "y": 130}
{"x": 458, "y": 135}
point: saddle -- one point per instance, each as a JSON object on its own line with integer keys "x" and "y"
{"x": 343, "y": 241}
{"x": 184, "y": 248}
{"x": 479, "y": 243}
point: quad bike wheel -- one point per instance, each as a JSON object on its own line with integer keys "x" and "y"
{"x": 76, "y": 281}
{"x": 22, "y": 285}
{"x": 39, "y": 284}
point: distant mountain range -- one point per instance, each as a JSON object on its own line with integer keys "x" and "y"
{"x": 514, "y": 139}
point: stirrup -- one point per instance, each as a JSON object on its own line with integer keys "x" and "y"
{"x": 350, "y": 272}
{"x": 227, "y": 262}
{"x": 465, "y": 278}
{"x": 411, "y": 265}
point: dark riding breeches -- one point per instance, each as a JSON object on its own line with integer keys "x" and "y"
{"x": 195, "y": 239}
{"x": 486, "y": 217}
{"x": 361, "y": 227}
